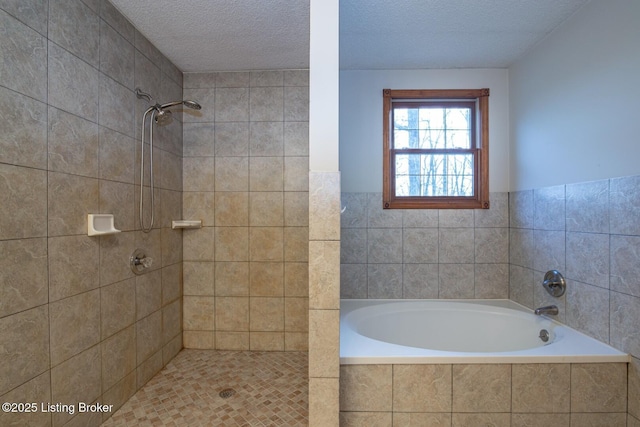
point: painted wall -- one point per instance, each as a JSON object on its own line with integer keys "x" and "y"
{"x": 574, "y": 100}
{"x": 361, "y": 119}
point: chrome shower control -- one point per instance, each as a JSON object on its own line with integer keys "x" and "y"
{"x": 554, "y": 283}
{"x": 140, "y": 262}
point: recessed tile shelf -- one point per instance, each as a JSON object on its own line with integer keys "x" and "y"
{"x": 186, "y": 224}
{"x": 101, "y": 225}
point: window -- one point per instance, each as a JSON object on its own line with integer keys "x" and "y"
{"x": 436, "y": 149}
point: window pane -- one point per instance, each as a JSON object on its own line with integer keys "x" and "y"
{"x": 434, "y": 175}
{"x": 431, "y": 127}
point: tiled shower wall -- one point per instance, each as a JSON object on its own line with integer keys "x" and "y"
{"x": 416, "y": 253}
{"x": 590, "y": 232}
{"x": 246, "y": 163}
{"x": 76, "y": 325}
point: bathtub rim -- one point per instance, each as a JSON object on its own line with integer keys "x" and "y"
{"x": 352, "y": 344}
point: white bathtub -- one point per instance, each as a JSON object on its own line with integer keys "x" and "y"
{"x": 460, "y": 331}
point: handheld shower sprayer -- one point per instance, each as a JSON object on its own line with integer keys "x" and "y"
{"x": 160, "y": 114}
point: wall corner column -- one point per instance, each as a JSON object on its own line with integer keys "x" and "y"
{"x": 324, "y": 215}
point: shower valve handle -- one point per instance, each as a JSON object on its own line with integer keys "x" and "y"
{"x": 140, "y": 262}
{"x": 146, "y": 261}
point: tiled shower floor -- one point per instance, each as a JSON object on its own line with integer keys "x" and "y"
{"x": 270, "y": 390}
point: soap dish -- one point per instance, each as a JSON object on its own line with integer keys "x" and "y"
{"x": 100, "y": 225}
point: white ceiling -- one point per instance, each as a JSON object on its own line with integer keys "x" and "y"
{"x": 223, "y": 35}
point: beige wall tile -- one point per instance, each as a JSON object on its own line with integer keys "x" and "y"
{"x": 118, "y": 357}
{"x": 118, "y": 199}
{"x": 232, "y": 244}
{"x": 296, "y": 138}
{"x": 148, "y": 293}
{"x": 119, "y": 393}
{"x": 74, "y": 325}
{"x": 24, "y": 347}
{"x": 365, "y": 387}
{"x": 296, "y": 173}
{"x": 23, "y": 274}
{"x": 232, "y": 278}
{"x": 198, "y": 245}
{"x": 76, "y": 380}
{"x": 324, "y": 343}
{"x": 296, "y": 314}
{"x": 634, "y": 387}
{"x": 266, "y": 279}
{"x": 541, "y": 420}
{"x": 71, "y": 198}
{"x": 232, "y": 314}
{"x": 266, "y": 139}
{"x": 149, "y": 337}
{"x": 267, "y": 209}
{"x": 36, "y": 390}
{"x": 599, "y": 387}
{"x": 232, "y": 208}
{"x": 266, "y": 104}
{"x": 198, "y": 174}
{"x": 366, "y": 419}
{"x": 296, "y": 341}
{"x": 171, "y": 323}
{"x": 474, "y": 420}
{"x": 72, "y": 144}
{"x": 266, "y": 314}
{"x": 405, "y": 419}
{"x": 24, "y": 140}
{"x": 23, "y": 212}
{"x": 296, "y": 279}
{"x": 598, "y": 420}
{"x": 117, "y": 306}
{"x": 232, "y": 340}
{"x": 266, "y": 174}
{"x": 147, "y": 369}
{"x": 296, "y": 209}
{"x": 481, "y": 388}
{"x": 74, "y": 263}
{"x": 115, "y": 251}
{"x": 198, "y": 313}
{"x": 172, "y": 348}
{"x": 534, "y": 383}
{"x": 422, "y": 388}
{"x": 296, "y": 244}
{"x": 171, "y": 283}
{"x": 266, "y": 341}
{"x": 266, "y": 244}
{"x": 199, "y": 205}
{"x": 232, "y": 174}
{"x": 324, "y": 274}
{"x": 324, "y": 206}
{"x": 198, "y": 278}
{"x": 324, "y": 402}
{"x": 198, "y": 339}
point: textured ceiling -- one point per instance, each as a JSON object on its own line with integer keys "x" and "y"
{"x": 222, "y": 35}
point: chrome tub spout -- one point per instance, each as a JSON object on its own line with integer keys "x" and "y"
{"x": 549, "y": 309}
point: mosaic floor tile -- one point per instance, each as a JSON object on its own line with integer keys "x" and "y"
{"x": 271, "y": 389}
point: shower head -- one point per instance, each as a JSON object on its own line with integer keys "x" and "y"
{"x": 162, "y": 116}
{"x": 192, "y": 104}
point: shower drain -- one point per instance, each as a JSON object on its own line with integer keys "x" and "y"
{"x": 227, "y": 393}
